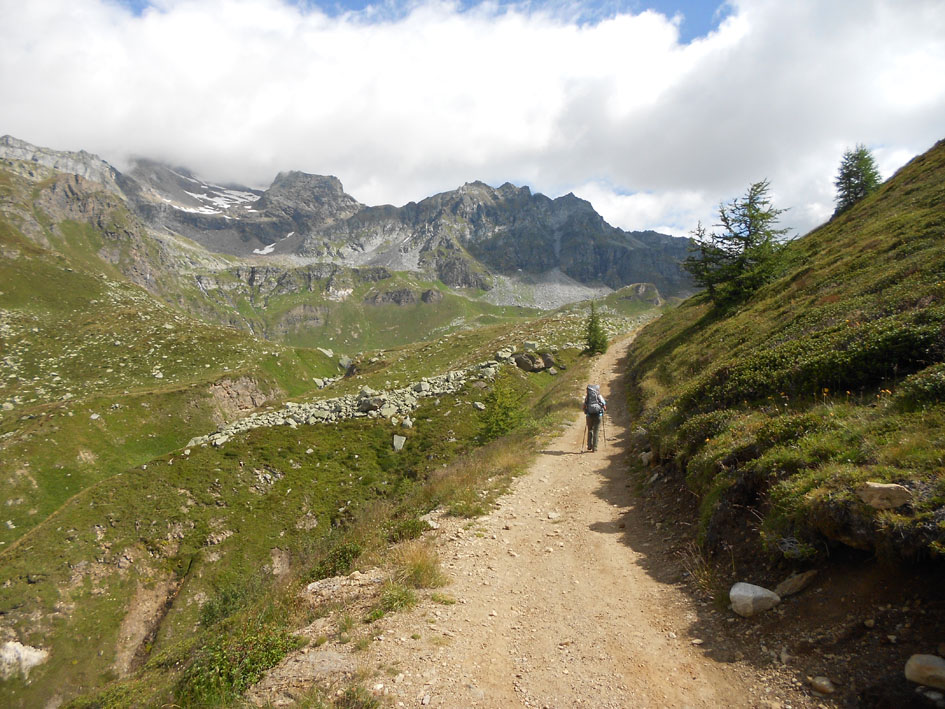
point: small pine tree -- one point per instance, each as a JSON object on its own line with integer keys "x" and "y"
{"x": 733, "y": 263}
{"x": 857, "y": 177}
{"x": 596, "y": 337}
{"x": 504, "y": 410}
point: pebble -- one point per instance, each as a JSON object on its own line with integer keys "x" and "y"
{"x": 822, "y": 685}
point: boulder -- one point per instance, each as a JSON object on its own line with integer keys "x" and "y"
{"x": 748, "y": 599}
{"x": 822, "y": 685}
{"x": 399, "y": 442}
{"x": 926, "y": 669}
{"x": 16, "y": 658}
{"x": 884, "y": 496}
{"x": 370, "y": 404}
{"x": 795, "y": 583}
{"x": 479, "y": 405}
{"x": 528, "y": 362}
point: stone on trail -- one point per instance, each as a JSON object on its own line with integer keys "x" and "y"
{"x": 748, "y": 599}
{"x": 822, "y": 685}
{"x": 795, "y": 583}
{"x": 884, "y": 496}
{"x": 926, "y": 669}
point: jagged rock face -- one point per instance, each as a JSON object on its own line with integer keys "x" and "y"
{"x": 85, "y": 165}
{"x": 471, "y": 237}
{"x": 310, "y": 201}
{"x": 463, "y": 235}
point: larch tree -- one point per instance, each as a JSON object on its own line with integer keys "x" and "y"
{"x": 857, "y": 177}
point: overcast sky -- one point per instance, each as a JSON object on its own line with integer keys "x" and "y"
{"x": 654, "y": 111}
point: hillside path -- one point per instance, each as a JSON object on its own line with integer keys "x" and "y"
{"x": 558, "y": 599}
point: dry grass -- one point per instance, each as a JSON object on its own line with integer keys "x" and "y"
{"x": 700, "y": 570}
{"x": 418, "y": 565}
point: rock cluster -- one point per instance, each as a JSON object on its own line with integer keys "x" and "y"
{"x": 395, "y": 405}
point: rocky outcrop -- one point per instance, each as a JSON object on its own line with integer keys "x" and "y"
{"x": 16, "y": 658}
{"x": 400, "y": 296}
{"x": 312, "y": 202}
{"x": 85, "y": 165}
{"x": 884, "y": 496}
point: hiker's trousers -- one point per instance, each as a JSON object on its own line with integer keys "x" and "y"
{"x": 593, "y": 427}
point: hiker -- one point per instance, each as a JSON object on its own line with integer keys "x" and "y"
{"x": 594, "y": 407}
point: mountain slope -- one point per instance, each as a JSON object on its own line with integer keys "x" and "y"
{"x": 97, "y": 373}
{"x": 827, "y": 380}
{"x": 463, "y": 238}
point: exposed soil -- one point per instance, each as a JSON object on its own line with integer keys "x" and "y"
{"x": 576, "y": 591}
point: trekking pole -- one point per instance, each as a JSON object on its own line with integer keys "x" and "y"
{"x": 603, "y": 427}
{"x": 584, "y": 438}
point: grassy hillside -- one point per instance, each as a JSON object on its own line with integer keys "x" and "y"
{"x": 831, "y": 376}
{"x": 97, "y": 375}
{"x": 157, "y": 570}
{"x": 189, "y": 545}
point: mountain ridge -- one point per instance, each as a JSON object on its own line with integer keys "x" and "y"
{"x": 463, "y": 237}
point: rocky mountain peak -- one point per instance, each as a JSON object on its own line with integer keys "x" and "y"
{"x": 86, "y": 165}
{"x": 319, "y": 198}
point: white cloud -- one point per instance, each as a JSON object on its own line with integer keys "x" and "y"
{"x": 401, "y": 104}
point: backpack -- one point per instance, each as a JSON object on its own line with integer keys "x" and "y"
{"x": 592, "y": 405}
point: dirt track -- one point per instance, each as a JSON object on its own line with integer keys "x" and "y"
{"x": 558, "y": 602}
{"x": 565, "y": 598}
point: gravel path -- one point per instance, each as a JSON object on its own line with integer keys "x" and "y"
{"x": 557, "y": 602}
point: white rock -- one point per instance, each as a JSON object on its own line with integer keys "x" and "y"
{"x": 884, "y": 496}
{"x": 926, "y": 669}
{"x": 748, "y": 599}
{"x": 399, "y": 442}
{"x": 16, "y": 657}
{"x": 822, "y": 685}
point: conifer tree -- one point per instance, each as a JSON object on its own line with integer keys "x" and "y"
{"x": 734, "y": 262}
{"x": 504, "y": 410}
{"x": 857, "y": 177}
{"x": 596, "y": 337}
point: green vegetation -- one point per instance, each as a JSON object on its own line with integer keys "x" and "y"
{"x": 205, "y": 525}
{"x": 733, "y": 263}
{"x": 857, "y": 178}
{"x": 595, "y": 336}
{"x": 831, "y": 375}
{"x": 156, "y": 573}
{"x": 504, "y": 411}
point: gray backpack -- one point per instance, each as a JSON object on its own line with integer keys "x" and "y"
{"x": 592, "y": 405}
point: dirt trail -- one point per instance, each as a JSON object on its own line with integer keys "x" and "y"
{"x": 558, "y": 602}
